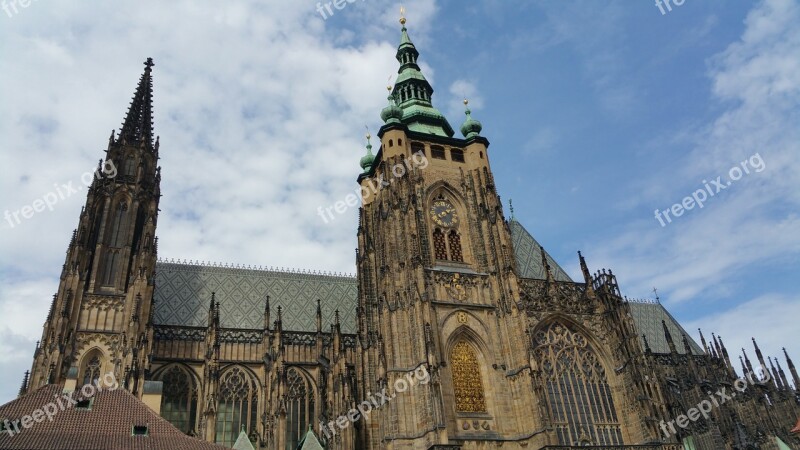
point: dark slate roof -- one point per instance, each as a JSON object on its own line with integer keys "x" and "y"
{"x": 647, "y": 316}
{"x": 107, "y": 425}
{"x": 183, "y": 294}
{"x": 529, "y": 257}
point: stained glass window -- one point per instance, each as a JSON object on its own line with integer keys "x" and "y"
{"x": 300, "y": 407}
{"x": 577, "y": 389}
{"x": 237, "y": 406}
{"x": 91, "y": 373}
{"x": 179, "y": 399}
{"x": 467, "y": 383}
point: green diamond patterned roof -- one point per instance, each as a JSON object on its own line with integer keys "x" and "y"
{"x": 647, "y": 317}
{"x": 183, "y": 293}
{"x": 529, "y": 257}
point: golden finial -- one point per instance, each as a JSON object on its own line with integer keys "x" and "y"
{"x": 466, "y": 102}
{"x": 403, "y": 15}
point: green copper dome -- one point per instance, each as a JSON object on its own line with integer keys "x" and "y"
{"x": 471, "y": 127}
{"x": 391, "y": 113}
{"x": 366, "y": 160}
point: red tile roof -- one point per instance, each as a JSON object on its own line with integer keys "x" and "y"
{"x": 107, "y": 425}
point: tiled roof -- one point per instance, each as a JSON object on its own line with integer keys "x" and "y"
{"x": 106, "y": 425}
{"x": 647, "y": 317}
{"x": 529, "y": 256}
{"x": 183, "y": 293}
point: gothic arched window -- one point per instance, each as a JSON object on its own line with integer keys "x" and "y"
{"x": 455, "y": 246}
{"x": 91, "y": 373}
{"x": 237, "y": 406}
{"x": 110, "y": 267}
{"x": 299, "y": 407}
{"x": 130, "y": 166}
{"x": 467, "y": 383}
{"x": 179, "y": 399}
{"x": 119, "y": 227}
{"x": 578, "y": 393}
{"x": 439, "y": 246}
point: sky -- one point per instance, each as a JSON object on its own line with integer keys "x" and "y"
{"x": 599, "y": 113}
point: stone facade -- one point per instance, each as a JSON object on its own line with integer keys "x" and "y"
{"x": 514, "y": 353}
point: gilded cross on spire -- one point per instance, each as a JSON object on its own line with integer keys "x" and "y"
{"x": 403, "y": 16}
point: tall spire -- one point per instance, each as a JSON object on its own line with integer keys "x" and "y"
{"x": 587, "y": 276}
{"x": 412, "y": 92}
{"x": 792, "y": 369}
{"x": 703, "y": 341}
{"x": 138, "y": 124}
{"x": 761, "y": 361}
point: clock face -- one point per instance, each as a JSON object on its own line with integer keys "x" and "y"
{"x": 443, "y": 213}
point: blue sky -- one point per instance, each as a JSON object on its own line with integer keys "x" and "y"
{"x": 598, "y": 113}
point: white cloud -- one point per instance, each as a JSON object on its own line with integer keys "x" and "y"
{"x": 770, "y": 319}
{"x": 752, "y": 222}
{"x": 260, "y": 107}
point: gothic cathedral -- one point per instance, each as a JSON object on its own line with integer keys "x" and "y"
{"x": 459, "y": 332}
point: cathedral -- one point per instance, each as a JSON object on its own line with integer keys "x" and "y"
{"x": 459, "y": 331}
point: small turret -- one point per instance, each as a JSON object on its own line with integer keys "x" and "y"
{"x": 367, "y": 160}
{"x": 470, "y": 128}
{"x": 391, "y": 113}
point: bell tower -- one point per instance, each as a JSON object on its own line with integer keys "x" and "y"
{"x": 437, "y": 282}
{"x": 99, "y": 320}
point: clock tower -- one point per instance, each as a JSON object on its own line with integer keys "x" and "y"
{"x": 437, "y": 283}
